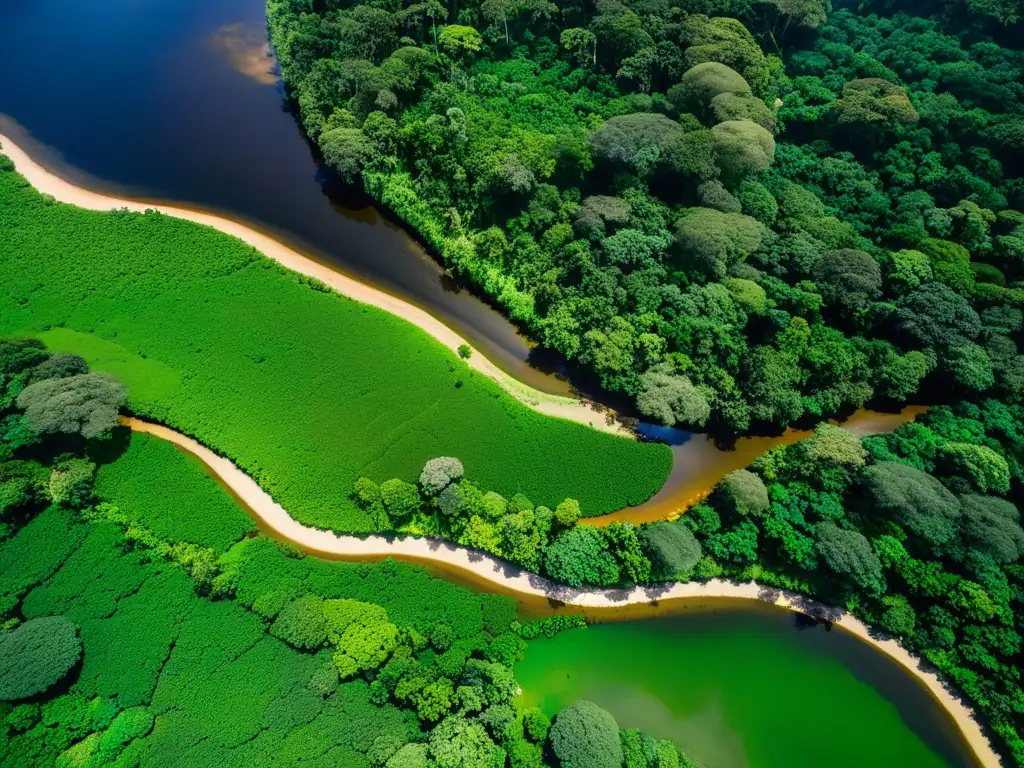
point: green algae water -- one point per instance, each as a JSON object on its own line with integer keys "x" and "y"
{"x": 741, "y": 687}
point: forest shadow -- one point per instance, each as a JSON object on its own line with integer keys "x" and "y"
{"x": 109, "y": 449}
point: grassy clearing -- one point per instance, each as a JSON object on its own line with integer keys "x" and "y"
{"x": 305, "y": 390}
{"x": 168, "y": 492}
{"x": 170, "y": 678}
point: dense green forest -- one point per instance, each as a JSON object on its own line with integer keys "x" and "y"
{"x": 124, "y": 643}
{"x": 305, "y": 389}
{"x": 738, "y": 213}
{"x": 917, "y": 532}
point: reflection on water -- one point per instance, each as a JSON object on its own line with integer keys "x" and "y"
{"x": 705, "y": 732}
{"x": 662, "y": 434}
{"x": 245, "y": 47}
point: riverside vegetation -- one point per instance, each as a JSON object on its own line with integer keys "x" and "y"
{"x": 125, "y": 644}
{"x": 304, "y": 389}
{"x": 737, "y": 212}
{"x": 962, "y": 597}
{"x": 624, "y": 180}
{"x": 916, "y": 532}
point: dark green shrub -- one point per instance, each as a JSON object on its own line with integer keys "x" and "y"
{"x": 672, "y": 549}
{"x": 36, "y": 655}
{"x": 586, "y": 736}
{"x": 301, "y": 623}
{"x": 986, "y": 273}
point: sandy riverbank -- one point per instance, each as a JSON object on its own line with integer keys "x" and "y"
{"x": 65, "y": 192}
{"x": 486, "y": 569}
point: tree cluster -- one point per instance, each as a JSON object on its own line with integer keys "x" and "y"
{"x": 50, "y": 407}
{"x": 738, "y": 216}
{"x": 543, "y": 540}
{"x": 918, "y": 532}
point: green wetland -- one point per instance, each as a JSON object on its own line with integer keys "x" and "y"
{"x": 737, "y": 686}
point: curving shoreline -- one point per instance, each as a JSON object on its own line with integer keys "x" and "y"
{"x": 551, "y": 405}
{"x": 509, "y": 578}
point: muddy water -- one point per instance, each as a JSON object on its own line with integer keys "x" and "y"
{"x": 677, "y": 495}
{"x": 698, "y": 463}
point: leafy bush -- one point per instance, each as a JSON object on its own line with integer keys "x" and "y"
{"x": 301, "y": 623}
{"x": 36, "y": 655}
{"x": 672, "y": 549}
{"x": 586, "y": 736}
{"x": 580, "y": 557}
{"x": 438, "y": 473}
{"x": 85, "y": 403}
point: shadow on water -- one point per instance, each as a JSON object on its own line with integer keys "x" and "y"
{"x": 915, "y": 704}
{"x": 660, "y": 434}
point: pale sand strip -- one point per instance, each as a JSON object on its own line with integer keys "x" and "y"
{"x": 511, "y": 578}
{"x": 65, "y": 192}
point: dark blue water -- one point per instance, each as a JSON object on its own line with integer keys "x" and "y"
{"x": 170, "y": 100}
{"x": 662, "y": 434}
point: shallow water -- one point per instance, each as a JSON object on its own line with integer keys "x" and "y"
{"x": 740, "y": 687}
{"x": 698, "y": 463}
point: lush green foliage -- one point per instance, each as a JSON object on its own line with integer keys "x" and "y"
{"x": 543, "y": 540}
{"x": 36, "y": 655}
{"x": 85, "y": 403}
{"x": 586, "y": 736}
{"x": 673, "y": 550}
{"x": 551, "y": 626}
{"x": 223, "y": 648}
{"x": 446, "y": 504}
{"x": 736, "y": 213}
{"x": 188, "y": 505}
{"x": 298, "y": 388}
{"x": 169, "y": 677}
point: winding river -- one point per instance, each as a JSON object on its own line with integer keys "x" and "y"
{"x": 176, "y": 100}
{"x": 903, "y": 712}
